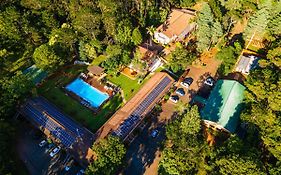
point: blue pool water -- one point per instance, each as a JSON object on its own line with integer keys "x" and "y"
{"x": 87, "y": 92}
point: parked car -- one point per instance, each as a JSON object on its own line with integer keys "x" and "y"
{"x": 180, "y": 92}
{"x": 69, "y": 165}
{"x": 187, "y": 82}
{"x": 81, "y": 172}
{"x": 67, "y": 168}
{"x": 43, "y": 143}
{"x": 174, "y": 98}
{"x": 55, "y": 151}
{"x": 154, "y": 133}
{"x": 209, "y": 81}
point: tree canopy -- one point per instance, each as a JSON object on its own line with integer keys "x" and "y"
{"x": 110, "y": 153}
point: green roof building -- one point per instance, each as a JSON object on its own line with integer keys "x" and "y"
{"x": 223, "y": 107}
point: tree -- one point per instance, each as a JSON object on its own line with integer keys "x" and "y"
{"x": 124, "y": 32}
{"x": 217, "y": 9}
{"x": 263, "y": 85}
{"x": 258, "y": 22}
{"x": 264, "y": 104}
{"x": 45, "y": 57}
{"x": 190, "y": 123}
{"x": 111, "y": 14}
{"x": 274, "y": 26}
{"x": 86, "y": 51}
{"x": 274, "y": 56}
{"x": 87, "y": 22}
{"x": 185, "y": 148}
{"x": 180, "y": 58}
{"x": 14, "y": 89}
{"x": 35, "y": 4}
{"x": 64, "y": 36}
{"x": 7, "y": 133}
{"x": 136, "y": 36}
{"x": 237, "y": 156}
{"x": 9, "y": 23}
{"x": 208, "y": 30}
{"x": 110, "y": 153}
{"x": 229, "y": 56}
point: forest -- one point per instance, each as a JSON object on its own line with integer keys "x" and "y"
{"x": 54, "y": 33}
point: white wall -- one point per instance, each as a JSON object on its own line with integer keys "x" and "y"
{"x": 161, "y": 38}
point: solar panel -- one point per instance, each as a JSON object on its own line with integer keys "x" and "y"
{"x": 135, "y": 117}
{"x": 57, "y": 115}
{"x": 67, "y": 139}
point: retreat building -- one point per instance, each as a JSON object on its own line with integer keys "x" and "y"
{"x": 224, "y": 105}
{"x": 176, "y": 28}
{"x": 126, "y": 119}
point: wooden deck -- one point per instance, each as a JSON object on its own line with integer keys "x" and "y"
{"x": 99, "y": 85}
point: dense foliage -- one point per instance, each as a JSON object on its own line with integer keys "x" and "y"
{"x": 110, "y": 153}
{"x": 52, "y": 33}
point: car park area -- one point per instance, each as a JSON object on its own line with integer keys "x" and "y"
{"x": 34, "y": 150}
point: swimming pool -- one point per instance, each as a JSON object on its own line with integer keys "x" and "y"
{"x": 87, "y": 92}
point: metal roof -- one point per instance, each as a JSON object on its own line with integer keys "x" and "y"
{"x": 247, "y": 63}
{"x": 128, "y": 117}
{"x": 61, "y": 127}
{"x": 224, "y": 104}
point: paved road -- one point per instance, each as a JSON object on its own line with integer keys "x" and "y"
{"x": 144, "y": 149}
{"x": 36, "y": 159}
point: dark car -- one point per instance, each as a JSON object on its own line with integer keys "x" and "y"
{"x": 209, "y": 81}
{"x": 180, "y": 92}
{"x": 187, "y": 82}
{"x": 154, "y": 133}
{"x": 174, "y": 98}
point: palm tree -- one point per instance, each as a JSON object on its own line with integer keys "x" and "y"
{"x": 151, "y": 30}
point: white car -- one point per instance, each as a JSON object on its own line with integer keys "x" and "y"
{"x": 43, "y": 143}
{"x": 55, "y": 151}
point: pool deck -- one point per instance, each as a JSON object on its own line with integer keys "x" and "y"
{"x": 98, "y": 85}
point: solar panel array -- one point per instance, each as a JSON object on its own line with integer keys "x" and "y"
{"x": 43, "y": 120}
{"x": 58, "y": 116}
{"x": 135, "y": 117}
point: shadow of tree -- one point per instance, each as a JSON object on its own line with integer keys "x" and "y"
{"x": 143, "y": 150}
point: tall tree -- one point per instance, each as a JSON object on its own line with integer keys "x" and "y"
{"x": 185, "y": 149}
{"x": 87, "y": 22}
{"x": 45, "y": 57}
{"x": 10, "y": 23}
{"x": 110, "y": 154}
{"x": 13, "y": 89}
{"x": 136, "y": 36}
{"x": 124, "y": 32}
{"x": 208, "y": 30}
{"x": 258, "y": 22}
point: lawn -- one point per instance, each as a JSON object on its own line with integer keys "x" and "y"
{"x": 129, "y": 86}
{"x": 52, "y": 90}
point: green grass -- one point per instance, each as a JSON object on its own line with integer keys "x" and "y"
{"x": 52, "y": 90}
{"x": 97, "y": 61}
{"x": 129, "y": 86}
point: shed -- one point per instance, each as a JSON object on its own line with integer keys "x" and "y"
{"x": 247, "y": 63}
{"x": 95, "y": 70}
{"x": 223, "y": 107}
